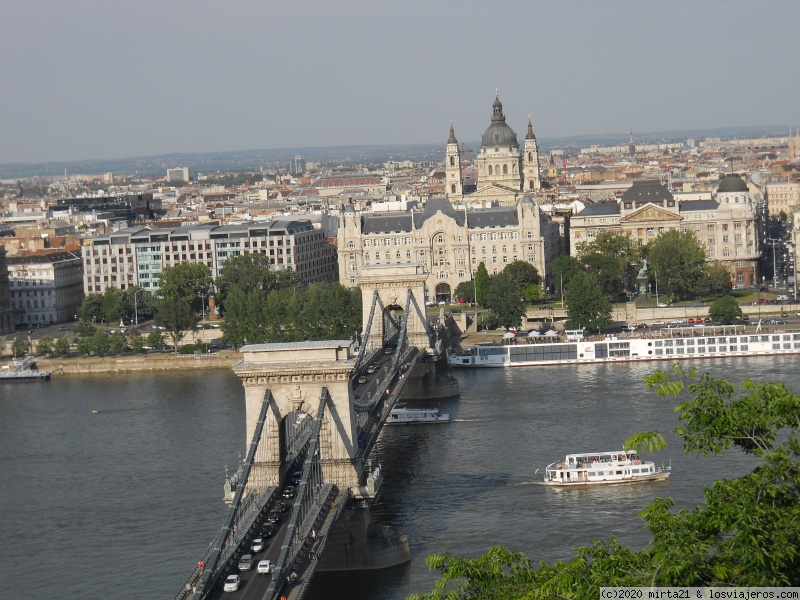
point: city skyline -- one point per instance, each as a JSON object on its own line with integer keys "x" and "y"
{"x": 92, "y": 79}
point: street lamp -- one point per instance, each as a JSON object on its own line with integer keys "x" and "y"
{"x": 655, "y": 273}
{"x": 136, "y": 306}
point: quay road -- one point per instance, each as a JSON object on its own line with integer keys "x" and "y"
{"x": 253, "y": 585}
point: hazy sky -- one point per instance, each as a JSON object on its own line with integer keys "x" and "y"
{"x": 90, "y": 79}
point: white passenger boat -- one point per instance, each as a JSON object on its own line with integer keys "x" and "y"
{"x": 412, "y": 416}
{"x": 603, "y": 468}
{"x": 676, "y": 344}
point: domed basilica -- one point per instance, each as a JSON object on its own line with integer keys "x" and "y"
{"x": 505, "y": 173}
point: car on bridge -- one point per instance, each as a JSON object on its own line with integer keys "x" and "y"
{"x": 265, "y": 567}
{"x": 274, "y": 517}
{"x": 372, "y": 368}
{"x": 257, "y": 545}
{"x": 245, "y": 562}
{"x": 362, "y": 379}
{"x": 289, "y": 492}
{"x": 231, "y": 583}
{"x": 267, "y": 531}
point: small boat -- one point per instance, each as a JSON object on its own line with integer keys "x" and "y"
{"x": 603, "y": 468}
{"x": 413, "y": 416}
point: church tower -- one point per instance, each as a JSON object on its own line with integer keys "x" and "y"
{"x": 530, "y": 162}
{"x": 499, "y": 161}
{"x": 453, "y": 177}
{"x": 631, "y": 146}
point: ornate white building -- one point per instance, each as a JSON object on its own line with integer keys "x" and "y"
{"x": 727, "y": 225}
{"x": 504, "y": 172}
{"x": 450, "y": 243}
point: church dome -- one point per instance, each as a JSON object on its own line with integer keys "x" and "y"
{"x": 732, "y": 183}
{"x": 498, "y": 133}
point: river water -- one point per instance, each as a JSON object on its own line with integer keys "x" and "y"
{"x": 111, "y": 486}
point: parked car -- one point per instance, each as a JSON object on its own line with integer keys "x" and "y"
{"x": 265, "y": 567}
{"x": 690, "y": 321}
{"x": 245, "y": 562}
{"x": 707, "y": 320}
{"x": 231, "y": 583}
{"x": 641, "y": 326}
{"x": 662, "y": 305}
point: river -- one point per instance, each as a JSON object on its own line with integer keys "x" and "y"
{"x": 111, "y": 486}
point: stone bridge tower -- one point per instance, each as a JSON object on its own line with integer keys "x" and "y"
{"x": 392, "y": 283}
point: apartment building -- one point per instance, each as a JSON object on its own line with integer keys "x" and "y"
{"x": 782, "y": 197}
{"x": 136, "y": 256}
{"x": 6, "y": 313}
{"x": 46, "y": 286}
{"x": 727, "y": 225}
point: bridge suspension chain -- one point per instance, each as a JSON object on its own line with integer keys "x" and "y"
{"x": 367, "y": 331}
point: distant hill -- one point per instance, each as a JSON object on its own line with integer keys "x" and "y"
{"x": 253, "y": 160}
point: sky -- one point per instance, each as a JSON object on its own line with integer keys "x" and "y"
{"x": 105, "y": 79}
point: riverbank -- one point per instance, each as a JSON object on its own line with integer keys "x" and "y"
{"x": 137, "y": 362}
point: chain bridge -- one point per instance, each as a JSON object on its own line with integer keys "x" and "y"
{"x": 314, "y": 412}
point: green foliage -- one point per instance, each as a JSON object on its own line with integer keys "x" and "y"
{"x": 718, "y": 277}
{"x": 63, "y": 346}
{"x": 85, "y": 345}
{"x": 533, "y": 293}
{"x": 100, "y": 343}
{"x": 186, "y": 281}
{"x": 139, "y": 303}
{"x": 505, "y": 300}
{"x": 91, "y": 309}
{"x": 287, "y": 314}
{"x": 465, "y": 291}
{"x": 254, "y": 272}
{"x": 522, "y": 273}
{"x": 137, "y": 343}
{"x": 45, "y": 345}
{"x": 726, "y": 310}
{"x": 84, "y": 330}
{"x": 650, "y": 441}
{"x": 482, "y": 284}
{"x": 113, "y": 304}
{"x": 745, "y": 533}
{"x": 155, "y": 340}
{"x": 20, "y": 346}
{"x": 562, "y": 270}
{"x": 614, "y": 258}
{"x": 117, "y": 342}
{"x": 176, "y": 316}
{"x": 678, "y": 260}
{"x": 588, "y": 306}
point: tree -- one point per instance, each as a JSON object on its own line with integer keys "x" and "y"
{"x": 607, "y": 270}
{"x": 91, "y": 309}
{"x": 482, "y": 284}
{"x": 155, "y": 340}
{"x": 505, "y": 300}
{"x": 139, "y": 303}
{"x": 100, "y": 343}
{"x": 117, "y": 342}
{"x": 718, "y": 277}
{"x": 187, "y": 281}
{"x": 746, "y": 532}
{"x": 177, "y": 316}
{"x": 113, "y": 304}
{"x": 45, "y": 345}
{"x": 20, "y": 346}
{"x": 726, "y": 310}
{"x": 465, "y": 291}
{"x": 137, "y": 343}
{"x": 678, "y": 260}
{"x": 588, "y": 306}
{"x": 523, "y": 273}
{"x": 562, "y": 270}
{"x": 62, "y": 346}
{"x": 85, "y": 345}
{"x": 622, "y": 259}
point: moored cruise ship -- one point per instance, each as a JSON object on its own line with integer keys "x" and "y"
{"x": 692, "y": 344}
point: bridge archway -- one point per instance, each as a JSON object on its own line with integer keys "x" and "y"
{"x": 392, "y": 282}
{"x": 443, "y": 293}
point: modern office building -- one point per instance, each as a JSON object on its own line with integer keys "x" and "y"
{"x": 46, "y": 286}
{"x": 178, "y": 174}
{"x": 449, "y": 242}
{"x": 136, "y": 256}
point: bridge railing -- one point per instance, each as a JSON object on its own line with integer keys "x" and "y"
{"x": 312, "y": 494}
